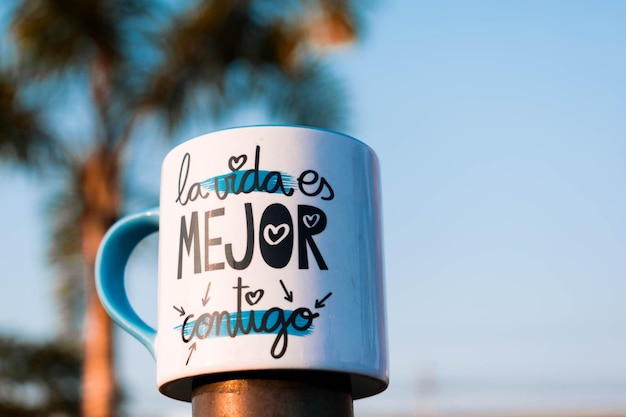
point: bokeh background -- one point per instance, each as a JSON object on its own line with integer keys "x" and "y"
{"x": 501, "y": 131}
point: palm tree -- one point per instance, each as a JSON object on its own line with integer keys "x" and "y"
{"x": 128, "y": 63}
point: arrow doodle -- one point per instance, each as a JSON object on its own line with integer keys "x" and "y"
{"x": 320, "y": 303}
{"x": 192, "y": 349}
{"x": 181, "y": 310}
{"x": 289, "y": 294}
{"x": 206, "y": 296}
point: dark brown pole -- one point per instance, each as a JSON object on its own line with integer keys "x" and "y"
{"x": 273, "y": 394}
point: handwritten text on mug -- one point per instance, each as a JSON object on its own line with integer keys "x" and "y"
{"x": 275, "y": 231}
{"x": 309, "y": 182}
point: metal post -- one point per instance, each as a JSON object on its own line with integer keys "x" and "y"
{"x": 273, "y": 394}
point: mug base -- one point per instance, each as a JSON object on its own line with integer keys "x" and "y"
{"x": 273, "y": 393}
{"x": 358, "y": 385}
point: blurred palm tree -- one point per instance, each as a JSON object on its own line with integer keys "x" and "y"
{"x": 81, "y": 78}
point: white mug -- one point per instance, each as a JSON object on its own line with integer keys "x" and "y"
{"x": 270, "y": 259}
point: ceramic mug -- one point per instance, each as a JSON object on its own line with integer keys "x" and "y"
{"x": 270, "y": 258}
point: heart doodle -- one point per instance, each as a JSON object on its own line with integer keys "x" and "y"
{"x": 236, "y": 162}
{"x": 275, "y": 234}
{"x": 254, "y": 297}
{"x": 310, "y": 220}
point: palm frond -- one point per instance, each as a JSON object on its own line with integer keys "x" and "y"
{"x": 22, "y": 135}
{"x": 310, "y": 96}
{"x": 339, "y": 21}
{"x": 56, "y": 35}
{"x": 39, "y": 379}
{"x": 221, "y": 55}
{"x": 64, "y": 254}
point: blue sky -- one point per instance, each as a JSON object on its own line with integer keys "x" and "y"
{"x": 501, "y": 132}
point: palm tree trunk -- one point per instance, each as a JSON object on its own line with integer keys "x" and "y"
{"x": 101, "y": 197}
{"x": 98, "y": 374}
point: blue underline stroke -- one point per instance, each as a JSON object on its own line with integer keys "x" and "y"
{"x": 289, "y": 182}
{"x": 245, "y": 321}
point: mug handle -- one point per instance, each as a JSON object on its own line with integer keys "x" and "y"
{"x": 113, "y": 254}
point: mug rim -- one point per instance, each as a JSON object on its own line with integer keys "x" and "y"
{"x": 274, "y": 125}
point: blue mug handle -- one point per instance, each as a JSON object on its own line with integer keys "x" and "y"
{"x": 113, "y": 255}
